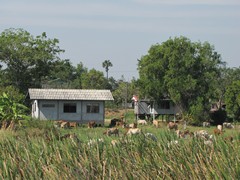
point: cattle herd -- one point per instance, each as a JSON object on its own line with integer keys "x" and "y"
{"x": 130, "y": 129}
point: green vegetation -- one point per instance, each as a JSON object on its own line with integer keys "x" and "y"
{"x": 37, "y": 152}
{"x": 192, "y": 74}
{"x": 183, "y": 70}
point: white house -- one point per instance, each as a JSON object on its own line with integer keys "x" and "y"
{"x": 76, "y": 105}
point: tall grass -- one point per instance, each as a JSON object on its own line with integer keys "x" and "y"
{"x": 26, "y": 155}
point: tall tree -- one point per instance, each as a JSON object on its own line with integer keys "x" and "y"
{"x": 184, "y": 70}
{"x": 232, "y": 99}
{"x": 106, "y": 64}
{"x": 61, "y": 76}
{"x": 27, "y": 59}
{"x": 94, "y": 80}
{"x": 79, "y": 72}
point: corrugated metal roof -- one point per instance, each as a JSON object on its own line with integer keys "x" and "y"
{"x": 70, "y": 94}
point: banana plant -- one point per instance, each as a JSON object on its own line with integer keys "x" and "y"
{"x": 10, "y": 109}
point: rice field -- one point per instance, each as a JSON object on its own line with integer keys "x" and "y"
{"x": 38, "y": 152}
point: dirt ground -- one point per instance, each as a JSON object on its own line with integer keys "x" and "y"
{"x": 115, "y": 113}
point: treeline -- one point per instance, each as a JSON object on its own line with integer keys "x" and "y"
{"x": 34, "y": 62}
{"x": 192, "y": 74}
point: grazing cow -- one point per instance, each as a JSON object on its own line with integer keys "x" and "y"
{"x": 172, "y": 125}
{"x": 183, "y": 134}
{"x": 206, "y": 124}
{"x": 217, "y": 131}
{"x": 91, "y": 124}
{"x": 142, "y": 122}
{"x": 131, "y": 131}
{"x": 120, "y": 124}
{"x": 114, "y": 121}
{"x": 156, "y": 123}
{"x": 58, "y": 123}
{"x": 111, "y": 131}
{"x": 202, "y": 134}
{"x": 64, "y": 124}
{"x": 133, "y": 125}
{"x": 220, "y": 127}
{"x": 73, "y": 124}
{"x": 228, "y": 125}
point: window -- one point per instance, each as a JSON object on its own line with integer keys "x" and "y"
{"x": 48, "y": 105}
{"x": 165, "y": 105}
{"x": 69, "y": 108}
{"x": 93, "y": 108}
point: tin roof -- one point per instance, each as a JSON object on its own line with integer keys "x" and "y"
{"x": 70, "y": 94}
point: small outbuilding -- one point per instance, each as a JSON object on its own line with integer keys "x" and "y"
{"x": 146, "y": 108}
{"x": 77, "y": 105}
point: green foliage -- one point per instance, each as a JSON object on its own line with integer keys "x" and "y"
{"x": 10, "y": 109}
{"x": 124, "y": 92}
{"x": 14, "y": 93}
{"x": 28, "y": 59}
{"x": 232, "y": 99}
{"x": 106, "y": 64}
{"x": 184, "y": 70}
{"x": 94, "y": 80}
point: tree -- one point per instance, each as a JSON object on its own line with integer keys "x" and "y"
{"x": 61, "y": 76}
{"x": 94, "y": 80}
{"x": 232, "y": 100}
{"x": 80, "y": 70}
{"x": 106, "y": 64}
{"x": 184, "y": 71}
{"x": 27, "y": 59}
{"x": 124, "y": 91}
{"x": 11, "y": 109}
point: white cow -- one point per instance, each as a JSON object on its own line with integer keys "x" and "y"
{"x": 142, "y": 122}
{"x": 228, "y": 125}
{"x": 220, "y": 127}
{"x": 206, "y": 124}
{"x": 132, "y": 131}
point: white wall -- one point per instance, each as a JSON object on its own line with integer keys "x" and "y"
{"x": 55, "y": 111}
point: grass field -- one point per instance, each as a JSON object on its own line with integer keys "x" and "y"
{"x": 36, "y": 152}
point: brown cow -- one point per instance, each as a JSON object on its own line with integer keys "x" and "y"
{"x": 114, "y": 122}
{"x": 111, "y": 131}
{"x": 133, "y": 125}
{"x": 217, "y": 132}
{"x": 172, "y": 125}
{"x": 73, "y": 124}
{"x": 156, "y": 123}
{"x": 64, "y": 124}
{"x": 91, "y": 124}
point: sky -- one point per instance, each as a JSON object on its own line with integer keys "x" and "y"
{"x": 122, "y": 31}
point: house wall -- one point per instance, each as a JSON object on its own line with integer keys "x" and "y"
{"x": 54, "y": 110}
{"x": 98, "y": 117}
{"x": 172, "y": 110}
{"x": 48, "y": 110}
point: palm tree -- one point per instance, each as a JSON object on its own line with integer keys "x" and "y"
{"x": 106, "y": 64}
